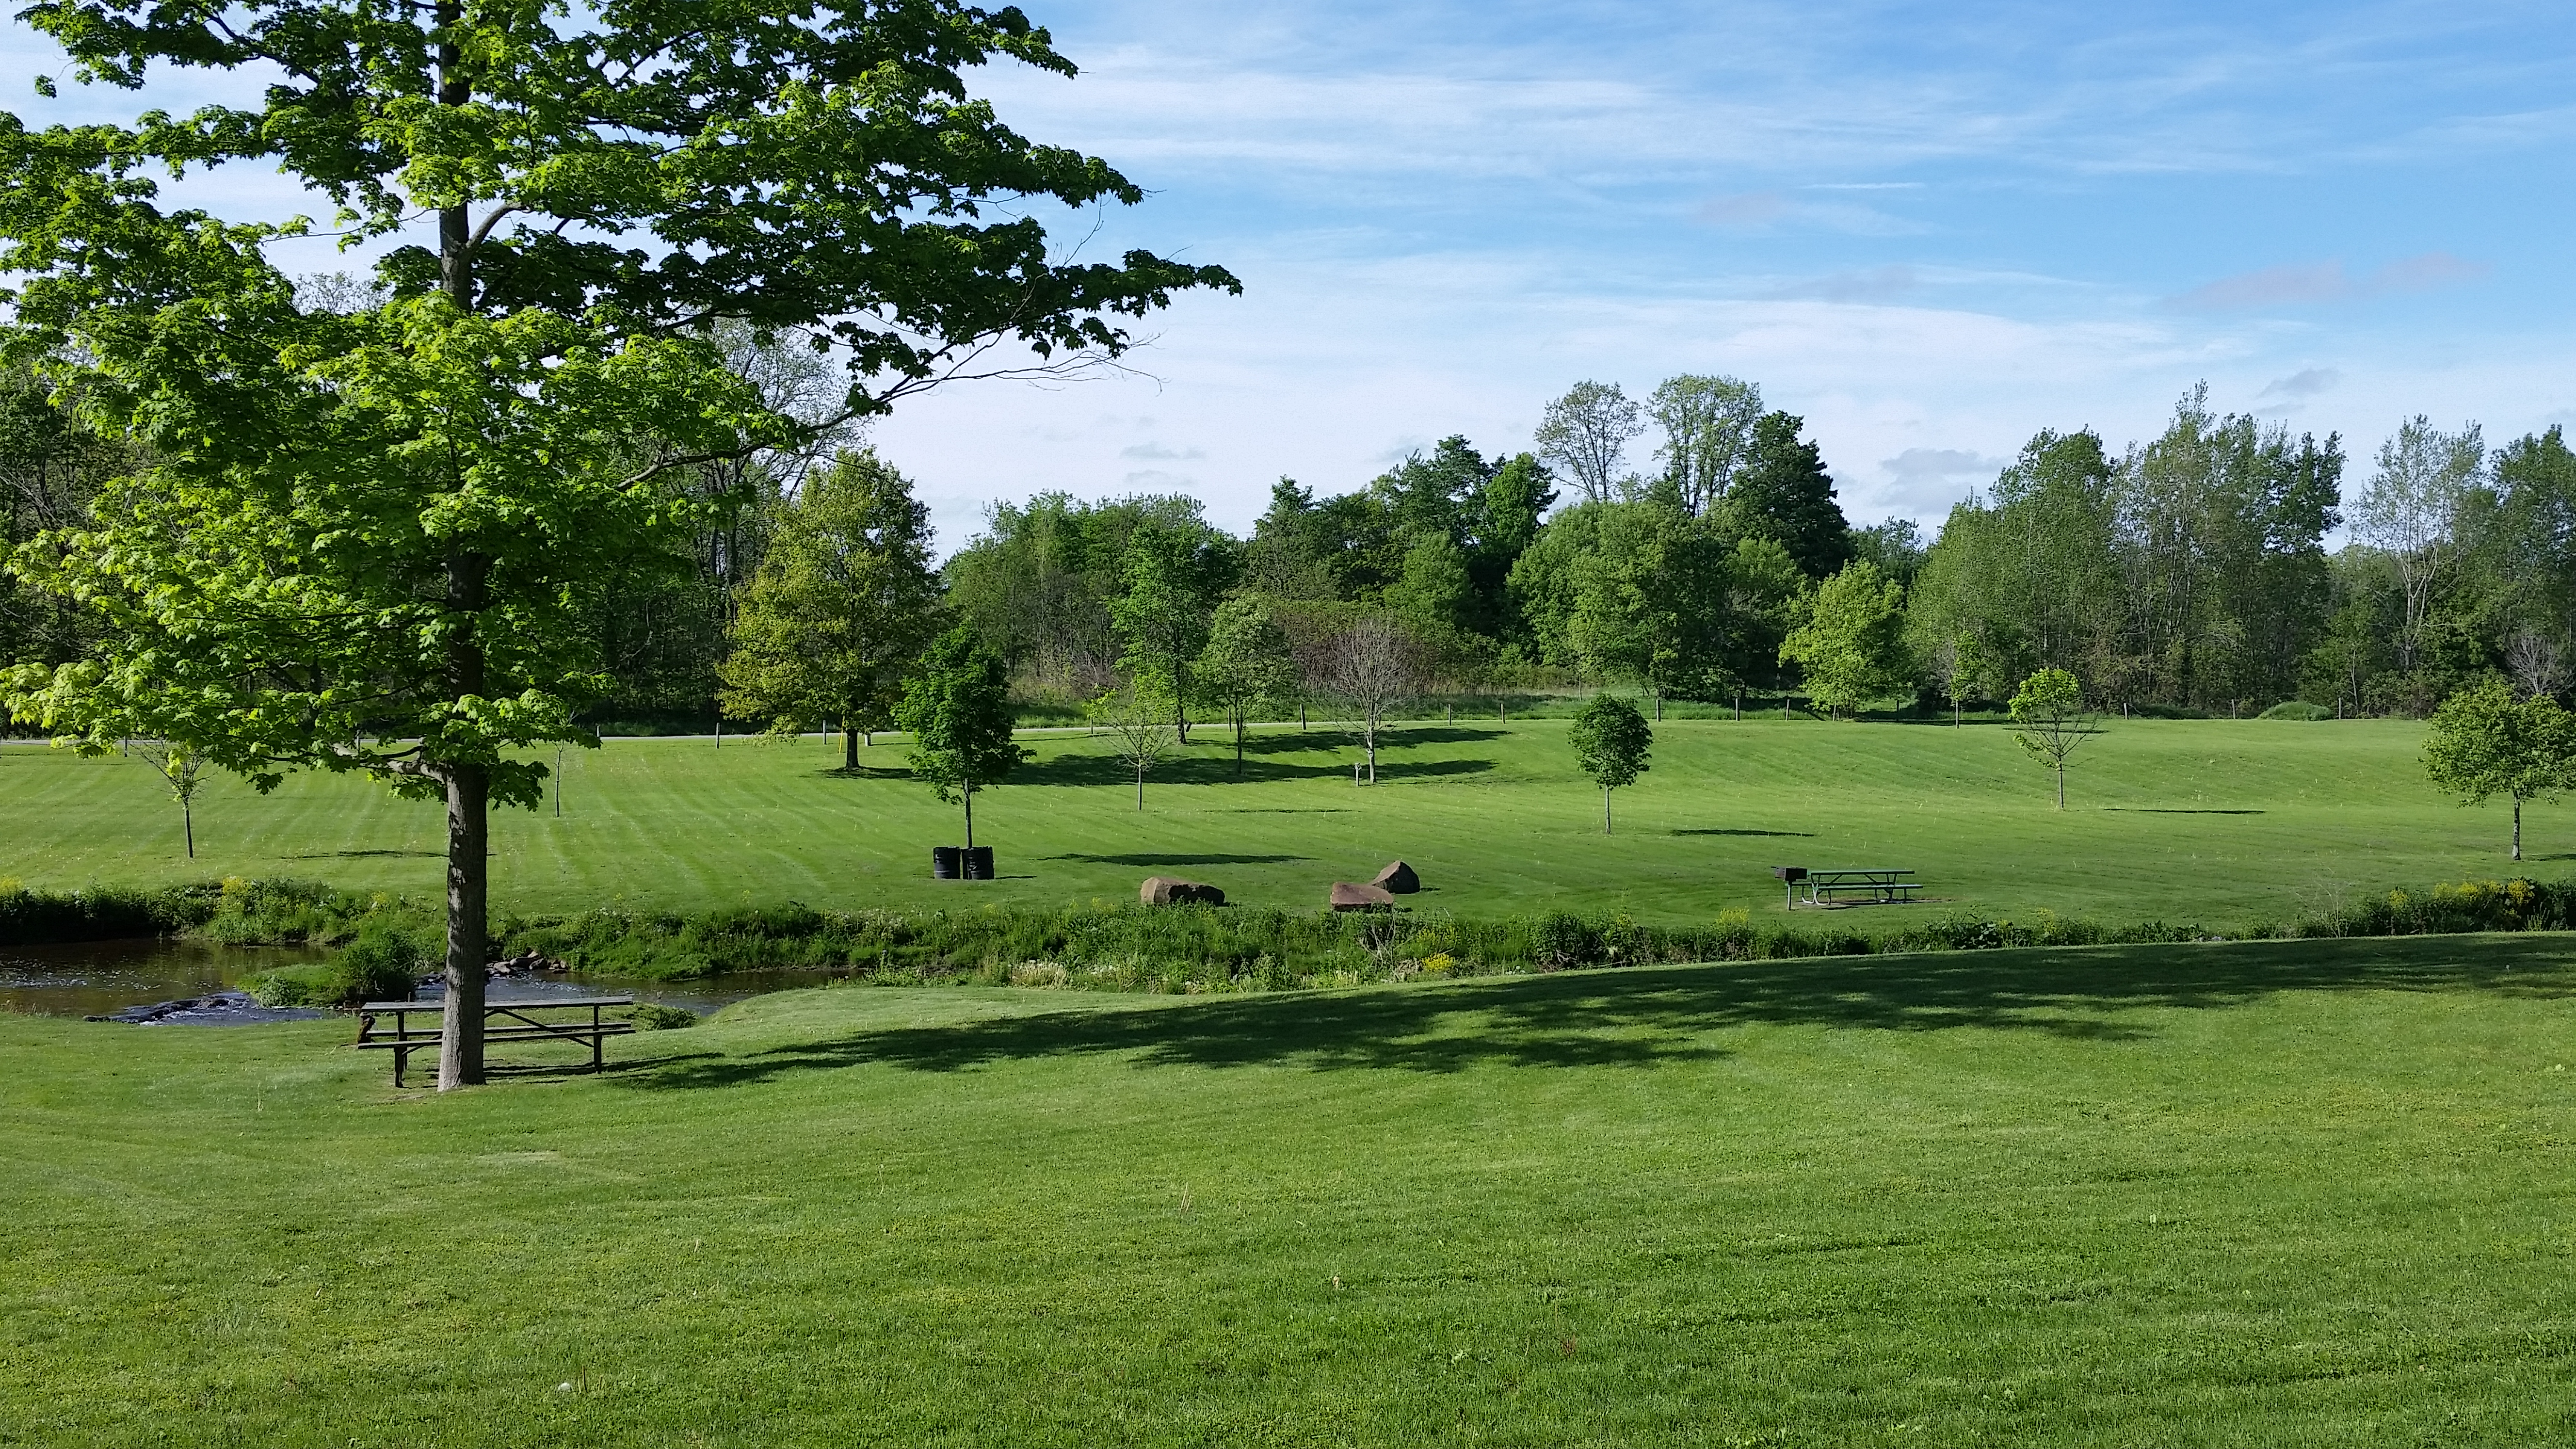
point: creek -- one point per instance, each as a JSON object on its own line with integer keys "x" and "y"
{"x": 103, "y": 978}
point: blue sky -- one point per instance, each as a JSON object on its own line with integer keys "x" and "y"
{"x": 1930, "y": 229}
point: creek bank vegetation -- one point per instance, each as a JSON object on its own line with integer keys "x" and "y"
{"x": 386, "y": 942}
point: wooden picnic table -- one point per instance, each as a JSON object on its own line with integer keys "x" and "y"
{"x": 1881, "y": 884}
{"x": 515, "y": 1024}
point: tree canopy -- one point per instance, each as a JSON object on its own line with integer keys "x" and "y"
{"x": 839, "y": 609}
{"x": 1611, "y": 744}
{"x": 1852, "y": 644}
{"x": 957, "y": 707}
{"x": 362, "y": 525}
{"x": 2485, "y": 742}
{"x": 2054, "y": 721}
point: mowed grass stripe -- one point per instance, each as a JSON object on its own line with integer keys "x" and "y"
{"x": 2219, "y": 822}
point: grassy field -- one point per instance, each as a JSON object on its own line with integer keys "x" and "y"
{"x": 2313, "y": 1193}
{"x": 2221, "y": 822}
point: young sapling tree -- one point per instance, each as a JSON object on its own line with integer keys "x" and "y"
{"x": 1248, "y": 662}
{"x": 2485, "y": 742}
{"x": 1138, "y": 721}
{"x": 958, "y": 710}
{"x": 2054, "y": 721}
{"x": 1611, "y": 739}
{"x": 1373, "y": 665}
{"x": 183, "y": 770}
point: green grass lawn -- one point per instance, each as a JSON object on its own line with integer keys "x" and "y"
{"x": 2221, "y": 822}
{"x": 2312, "y": 1193}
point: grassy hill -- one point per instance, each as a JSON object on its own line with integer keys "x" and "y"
{"x": 2276, "y": 1193}
{"x": 2222, "y": 822}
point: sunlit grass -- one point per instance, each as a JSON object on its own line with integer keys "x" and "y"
{"x": 2216, "y": 821}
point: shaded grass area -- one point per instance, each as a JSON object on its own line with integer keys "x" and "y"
{"x": 2310, "y": 1193}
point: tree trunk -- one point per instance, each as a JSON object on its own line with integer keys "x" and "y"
{"x": 849, "y": 748}
{"x": 188, "y": 823}
{"x": 2517, "y": 827}
{"x": 460, "y": 1040}
{"x": 1372, "y": 751}
{"x": 969, "y": 793}
{"x": 1238, "y": 747}
{"x": 2061, "y": 784}
{"x": 469, "y": 786}
{"x": 1140, "y": 782}
{"x": 1605, "y": 809}
{"x": 1659, "y": 706}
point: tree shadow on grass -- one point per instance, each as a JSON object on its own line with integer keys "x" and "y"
{"x": 867, "y": 772}
{"x": 366, "y": 854}
{"x": 2169, "y": 810}
{"x": 1107, "y": 769}
{"x": 1793, "y": 834}
{"x": 1643, "y": 1017}
{"x": 1148, "y": 858}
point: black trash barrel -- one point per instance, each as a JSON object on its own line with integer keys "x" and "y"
{"x": 979, "y": 862}
{"x": 943, "y": 862}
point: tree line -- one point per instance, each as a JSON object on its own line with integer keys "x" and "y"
{"x": 2187, "y": 574}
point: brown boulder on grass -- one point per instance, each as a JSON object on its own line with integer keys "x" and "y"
{"x": 1397, "y": 879}
{"x": 1349, "y": 897}
{"x": 1168, "y": 890}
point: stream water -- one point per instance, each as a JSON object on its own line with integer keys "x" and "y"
{"x": 104, "y": 978}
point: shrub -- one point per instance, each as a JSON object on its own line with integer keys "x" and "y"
{"x": 1560, "y": 939}
{"x": 650, "y": 1016}
{"x": 303, "y": 912}
{"x": 33, "y": 918}
{"x": 2297, "y": 709}
{"x": 382, "y": 964}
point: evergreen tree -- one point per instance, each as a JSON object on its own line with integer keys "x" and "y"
{"x": 1783, "y": 493}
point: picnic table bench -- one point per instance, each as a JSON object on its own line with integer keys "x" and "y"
{"x": 1879, "y": 884}
{"x": 503, "y": 1021}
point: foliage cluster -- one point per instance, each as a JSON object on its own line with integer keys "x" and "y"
{"x": 99, "y": 913}
{"x": 388, "y": 941}
{"x": 233, "y": 911}
{"x": 1197, "y": 949}
{"x": 382, "y": 964}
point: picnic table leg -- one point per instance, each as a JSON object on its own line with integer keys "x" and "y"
{"x": 596, "y": 1041}
{"x": 400, "y": 1052}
